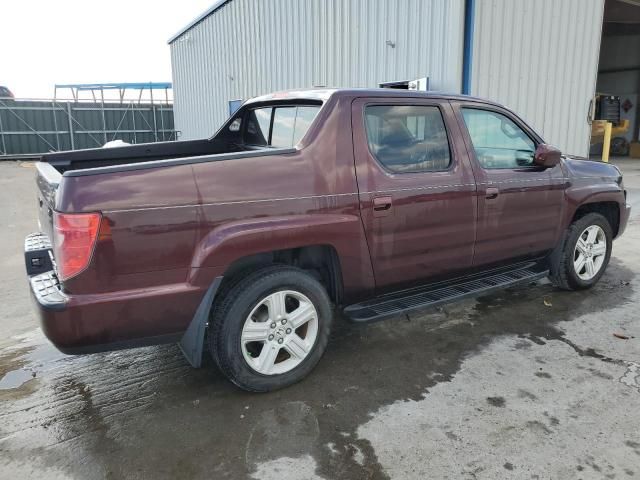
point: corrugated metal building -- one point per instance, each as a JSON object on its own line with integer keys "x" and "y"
{"x": 539, "y": 58}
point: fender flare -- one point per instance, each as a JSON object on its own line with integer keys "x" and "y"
{"x": 231, "y": 241}
{"x": 588, "y": 194}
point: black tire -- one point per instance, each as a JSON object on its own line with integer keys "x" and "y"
{"x": 235, "y": 305}
{"x": 563, "y": 272}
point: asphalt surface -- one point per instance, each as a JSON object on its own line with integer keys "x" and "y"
{"x": 526, "y": 383}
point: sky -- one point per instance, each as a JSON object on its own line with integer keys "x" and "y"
{"x": 45, "y": 42}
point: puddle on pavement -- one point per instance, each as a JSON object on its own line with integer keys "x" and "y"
{"x": 23, "y": 362}
{"x": 16, "y": 378}
{"x": 146, "y": 411}
{"x": 11, "y": 362}
{"x": 289, "y": 430}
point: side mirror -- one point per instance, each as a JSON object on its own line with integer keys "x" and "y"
{"x": 546, "y": 156}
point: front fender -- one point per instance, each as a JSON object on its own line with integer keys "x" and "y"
{"x": 584, "y": 194}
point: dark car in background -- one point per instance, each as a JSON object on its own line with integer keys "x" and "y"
{"x": 5, "y": 92}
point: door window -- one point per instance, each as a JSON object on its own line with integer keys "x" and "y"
{"x": 497, "y": 140}
{"x": 407, "y": 138}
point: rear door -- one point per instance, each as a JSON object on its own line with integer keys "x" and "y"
{"x": 416, "y": 187}
{"x": 519, "y": 204}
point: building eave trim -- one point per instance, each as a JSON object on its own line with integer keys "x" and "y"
{"x": 209, "y": 11}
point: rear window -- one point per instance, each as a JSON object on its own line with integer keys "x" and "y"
{"x": 280, "y": 127}
{"x": 258, "y": 125}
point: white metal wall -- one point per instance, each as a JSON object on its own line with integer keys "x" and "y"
{"x": 252, "y": 47}
{"x": 540, "y": 58}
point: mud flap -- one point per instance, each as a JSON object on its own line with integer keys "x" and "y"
{"x": 556, "y": 254}
{"x": 192, "y": 342}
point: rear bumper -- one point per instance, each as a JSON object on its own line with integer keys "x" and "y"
{"x": 78, "y": 324}
{"x": 46, "y": 292}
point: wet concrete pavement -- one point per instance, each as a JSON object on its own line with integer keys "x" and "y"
{"x": 526, "y": 383}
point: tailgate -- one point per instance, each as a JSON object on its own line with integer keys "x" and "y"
{"x": 48, "y": 180}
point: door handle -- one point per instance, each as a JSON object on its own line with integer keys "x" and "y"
{"x": 381, "y": 206}
{"x": 491, "y": 193}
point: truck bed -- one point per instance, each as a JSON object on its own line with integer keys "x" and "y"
{"x": 148, "y": 152}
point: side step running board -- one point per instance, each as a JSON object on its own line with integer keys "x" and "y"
{"x": 443, "y": 292}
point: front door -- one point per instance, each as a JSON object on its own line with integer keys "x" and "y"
{"x": 520, "y": 205}
{"x": 416, "y": 187}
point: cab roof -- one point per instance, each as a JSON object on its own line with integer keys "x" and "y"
{"x": 323, "y": 94}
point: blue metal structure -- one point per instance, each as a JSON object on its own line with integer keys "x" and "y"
{"x": 76, "y": 88}
{"x": 467, "y": 54}
{"x": 112, "y": 86}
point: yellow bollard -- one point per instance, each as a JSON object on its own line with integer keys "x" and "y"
{"x": 606, "y": 144}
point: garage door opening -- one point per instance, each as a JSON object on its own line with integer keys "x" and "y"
{"x": 618, "y": 81}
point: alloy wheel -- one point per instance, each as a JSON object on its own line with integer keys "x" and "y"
{"x": 279, "y": 333}
{"x": 590, "y": 252}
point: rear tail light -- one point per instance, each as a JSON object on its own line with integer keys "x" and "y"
{"x": 74, "y": 237}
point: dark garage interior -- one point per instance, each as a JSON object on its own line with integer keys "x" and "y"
{"x": 618, "y": 83}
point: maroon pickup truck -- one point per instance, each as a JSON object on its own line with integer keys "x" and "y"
{"x": 373, "y": 202}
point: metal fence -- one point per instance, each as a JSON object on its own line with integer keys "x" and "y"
{"x": 39, "y": 126}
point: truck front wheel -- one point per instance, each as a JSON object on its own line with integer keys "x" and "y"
{"x": 270, "y": 329}
{"x": 586, "y": 253}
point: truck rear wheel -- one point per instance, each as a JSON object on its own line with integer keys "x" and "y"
{"x": 585, "y": 254}
{"x": 270, "y": 328}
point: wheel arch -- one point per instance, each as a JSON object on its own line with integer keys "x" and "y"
{"x": 322, "y": 261}
{"x": 331, "y": 244}
{"x": 608, "y": 209}
{"x": 605, "y": 199}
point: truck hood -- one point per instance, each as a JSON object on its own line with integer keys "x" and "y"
{"x": 588, "y": 168}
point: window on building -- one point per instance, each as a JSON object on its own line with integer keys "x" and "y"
{"x": 408, "y": 138}
{"x": 497, "y": 140}
{"x": 280, "y": 127}
{"x": 234, "y": 105}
